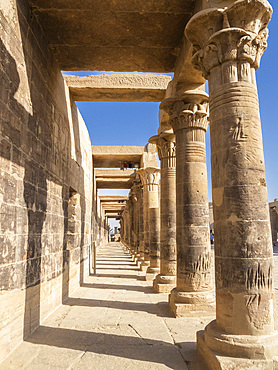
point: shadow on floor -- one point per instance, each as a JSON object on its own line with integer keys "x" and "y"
{"x": 160, "y": 309}
{"x": 144, "y": 289}
{"x": 116, "y": 264}
{"x": 120, "y": 276}
{"x": 125, "y": 346}
{"x": 117, "y": 259}
{"x": 118, "y": 268}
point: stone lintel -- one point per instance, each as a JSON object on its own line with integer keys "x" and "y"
{"x": 113, "y": 198}
{"x": 112, "y": 173}
{"x": 115, "y": 210}
{"x": 118, "y": 87}
{"x": 115, "y": 156}
{"x": 114, "y": 179}
{"x": 114, "y": 184}
{"x": 113, "y": 206}
{"x": 113, "y": 215}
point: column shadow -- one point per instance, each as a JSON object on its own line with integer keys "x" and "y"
{"x": 123, "y": 346}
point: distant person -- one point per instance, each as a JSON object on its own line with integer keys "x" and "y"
{"x": 211, "y": 237}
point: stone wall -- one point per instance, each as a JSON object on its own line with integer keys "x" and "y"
{"x": 45, "y": 180}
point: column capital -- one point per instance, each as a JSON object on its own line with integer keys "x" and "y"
{"x": 234, "y": 34}
{"x": 189, "y": 116}
{"x": 149, "y": 177}
{"x": 166, "y": 144}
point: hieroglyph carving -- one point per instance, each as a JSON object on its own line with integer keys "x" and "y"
{"x": 235, "y": 35}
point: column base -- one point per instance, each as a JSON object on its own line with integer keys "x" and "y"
{"x": 139, "y": 261}
{"x": 151, "y": 273}
{"x": 191, "y": 304}
{"x": 136, "y": 258}
{"x": 164, "y": 283}
{"x": 245, "y": 351}
{"x": 133, "y": 256}
{"x": 144, "y": 265}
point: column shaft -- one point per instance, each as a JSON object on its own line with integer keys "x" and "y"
{"x": 166, "y": 280}
{"x": 149, "y": 177}
{"x": 154, "y": 243}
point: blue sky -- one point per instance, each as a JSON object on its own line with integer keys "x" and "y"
{"x": 133, "y": 123}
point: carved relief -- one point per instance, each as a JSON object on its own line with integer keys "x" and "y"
{"x": 239, "y": 134}
{"x": 259, "y": 310}
{"x": 199, "y": 275}
{"x": 259, "y": 277}
{"x": 202, "y": 263}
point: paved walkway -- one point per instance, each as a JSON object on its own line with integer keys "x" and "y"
{"x": 114, "y": 321}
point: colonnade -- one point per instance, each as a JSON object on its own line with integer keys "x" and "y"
{"x": 227, "y": 46}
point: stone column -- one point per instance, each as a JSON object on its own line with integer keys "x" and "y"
{"x": 126, "y": 226}
{"x": 166, "y": 280}
{"x": 134, "y": 223}
{"x": 137, "y": 198}
{"x": 228, "y": 44}
{"x": 131, "y": 222}
{"x": 121, "y": 228}
{"x": 154, "y": 244}
{"x": 150, "y": 178}
{"x": 141, "y": 225}
{"x": 193, "y": 293}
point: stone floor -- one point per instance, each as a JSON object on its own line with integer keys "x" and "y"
{"x": 114, "y": 321}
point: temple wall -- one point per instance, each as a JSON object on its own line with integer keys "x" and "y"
{"x": 45, "y": 180}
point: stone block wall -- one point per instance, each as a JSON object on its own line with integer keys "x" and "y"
{"x": 45, "y": 180}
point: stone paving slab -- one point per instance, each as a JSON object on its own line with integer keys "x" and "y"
{"x": 114, "y": 321}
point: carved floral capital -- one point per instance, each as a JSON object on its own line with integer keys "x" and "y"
{"x": 166, "y": 148}
{"x": 189, "y": 116}
{"x": 234, "y": 34}
{"x": 150, "y": 176}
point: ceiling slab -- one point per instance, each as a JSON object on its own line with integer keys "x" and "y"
{"x": 116, "y": 35}
{"x": 114, "y": 179}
